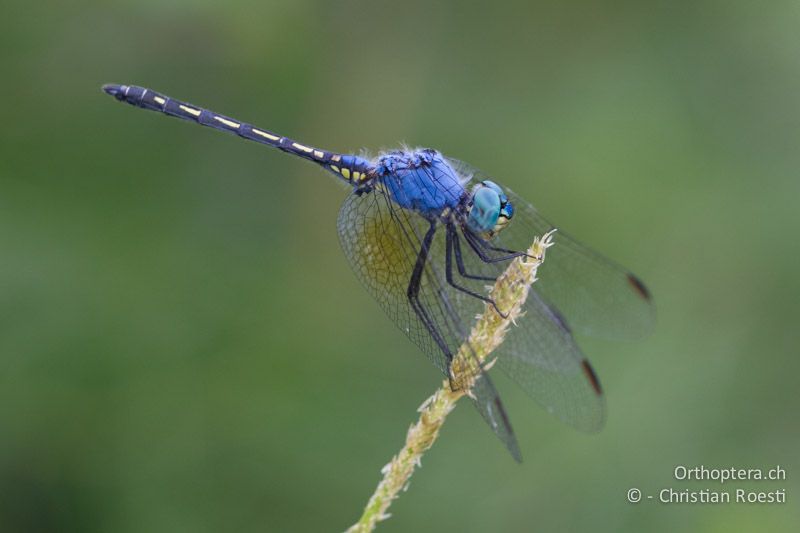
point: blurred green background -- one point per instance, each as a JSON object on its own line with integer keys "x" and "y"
{"x": 184, "y": 348}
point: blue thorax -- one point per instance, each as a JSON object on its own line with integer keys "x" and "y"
{"x": 422, "y": 180}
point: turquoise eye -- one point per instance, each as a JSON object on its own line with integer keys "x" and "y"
{"x": 489, "y": 210}
{"x": 485, "y": 210}
{"x": 492, "y": 185}
{"x": 495, "y": 187}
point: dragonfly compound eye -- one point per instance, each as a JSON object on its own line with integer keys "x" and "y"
{"x": 484, "y": 210}
{"x": 489, "y": 210}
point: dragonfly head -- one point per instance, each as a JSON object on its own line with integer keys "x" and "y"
{"x": 488, "y": 209}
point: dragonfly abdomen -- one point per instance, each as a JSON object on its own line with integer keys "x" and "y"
{"x": 351, "y": 168}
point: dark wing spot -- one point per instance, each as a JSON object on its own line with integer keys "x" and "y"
{"x": 589, "y": 371}
{"x": 639, "y": 287}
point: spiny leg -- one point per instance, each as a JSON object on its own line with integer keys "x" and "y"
{"x": 414, "y": 286}
{"x": 482, "y": 392}
{"x": 476, "y": 243}
{"x": 449, "y": 271}
{"x": 488, "y": 246}
{"x": 460, "y": 259}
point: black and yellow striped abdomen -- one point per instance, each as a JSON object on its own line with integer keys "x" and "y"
{"x": 353, "y": 169}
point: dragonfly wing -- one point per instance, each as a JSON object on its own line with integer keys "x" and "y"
{"x": 542, "y": 357}
{"x": 540, "y": 353}
{"x": 382, "y": 242}
{"x": 486, "y": 400}
{"x": 595, "y": 295}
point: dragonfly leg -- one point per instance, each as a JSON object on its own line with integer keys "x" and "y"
{"x": 412, "y": 293}
{"x": 414, "y": 287}
{"x": 477, "y": 244}
{"x": 449, "y": 272}
{"x": 485, "y": 244}
{"x": 460, "y": 259}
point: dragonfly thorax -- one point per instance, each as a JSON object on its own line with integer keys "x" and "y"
{"x": 422, "y": 180}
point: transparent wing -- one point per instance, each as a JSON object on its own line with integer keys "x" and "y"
{"x": 541, "y": 356}
{"x": 595, "y": 295}
{"x": 382, "y": 243}
{"x": 539, "y": 353}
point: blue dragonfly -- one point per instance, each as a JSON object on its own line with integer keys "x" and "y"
{"x": 425, "y": 233}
